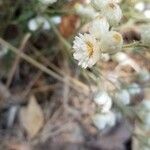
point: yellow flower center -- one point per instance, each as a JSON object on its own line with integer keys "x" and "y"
{"x": 117, "y": 37}
{"x": 90, "y": 48}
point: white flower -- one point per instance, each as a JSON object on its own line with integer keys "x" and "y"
{"x": 145, "y": 36}
{"x": 140, "y": 6}
{"x": 120, "y": 57}
{"x": 103, "y": 100}
{"x": 85, "y": 11}
{"x": 123, "y": 96}
{"x": 111, "y": 42}
{"x": 46, "y": 2}
{"x": 99, "y": 27}
{"x": 103, "y": 121}
{"x": 99, "y": 4}
{"x": 134, "y": 89}
{"x": 38, "y": 22}
{"x": 113, "y": 13}
{"x": 56, "y": 19}
{"x": 86, "y": 50}
{"x": 147, "y": 13}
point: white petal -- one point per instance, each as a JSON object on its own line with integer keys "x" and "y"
{"x": 99, "y": 27}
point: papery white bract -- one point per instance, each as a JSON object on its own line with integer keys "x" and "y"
{"x": 99, "y": 4}
{"x": 86, "y": 50}
{"x": 85, "y": 11}
{"x": 113, "y": 13}
{"x": 134, "y": 89}
{"x": 103, "y": 121}
{"x": 103, "y": 100}
{"x": 46, "y": 2}
{"x": 38, "y": 22}
{"x": 99, "y": 27}
{"x": 111, "y": 42}
{"x": 123, "y": 96}
{"x": 56, "y": 19}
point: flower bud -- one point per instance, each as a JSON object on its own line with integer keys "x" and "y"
{"x": 99, "y": 27}
{"x": 99, "y": 4}
{"x": 113, "y": 13}
{"x": 103, "y": 121}
{"x": 104, "y": 101}
{"x": 123, "y": 96}
{"x": 111, "y": 42}
{"x": 85, "y": 11}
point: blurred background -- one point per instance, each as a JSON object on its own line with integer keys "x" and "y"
{"x": 47, "y": 100}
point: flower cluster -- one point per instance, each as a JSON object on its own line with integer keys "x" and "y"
{"x": 106, "y": 118}
{"x": 90, "y": 47}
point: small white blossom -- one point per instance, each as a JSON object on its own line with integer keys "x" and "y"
{"x": 147, "y": 13}
{"x": 99, "y": 4}
{"x": 86, "y": 50}
{"x": 104, "y": 121}
{"x": 111, "y": 42}
{"x": 103, "y": 100}
{"x": 56, "y": 19}
{"x": 145, "y": 36}
{"x": 140, "y": 6}
{"x": 113, "y": 13}
{"x": 85, "y": 11}
{"x": 123, "y": 96}
{"x": 99, "y": 27}
{"x": 120, "y": 57}
{"x": 46, "y": 2}
{"x": 38, "y": 22}
{"x": 134, "y": 89}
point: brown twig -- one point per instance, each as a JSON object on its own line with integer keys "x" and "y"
{"x": 75, "y": 84}
{"x": 17, "y": 60}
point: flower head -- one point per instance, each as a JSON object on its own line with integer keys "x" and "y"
{"x": 38, "y": 22}
{"x": 113, "y": 13}
{"x": 104, "y": 101}
{"x": 123, "y": 96}
{"x": 104, "y": 121}
{"x": 112, "y": 42}
{"x": 99, "y": 26}
{"x": 86, "y": 11}
{"x": 99, "y": 4}
{"x": 86, "y": 50}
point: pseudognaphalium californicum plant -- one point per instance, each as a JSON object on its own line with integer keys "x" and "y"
{"x": 102, "y": 41}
